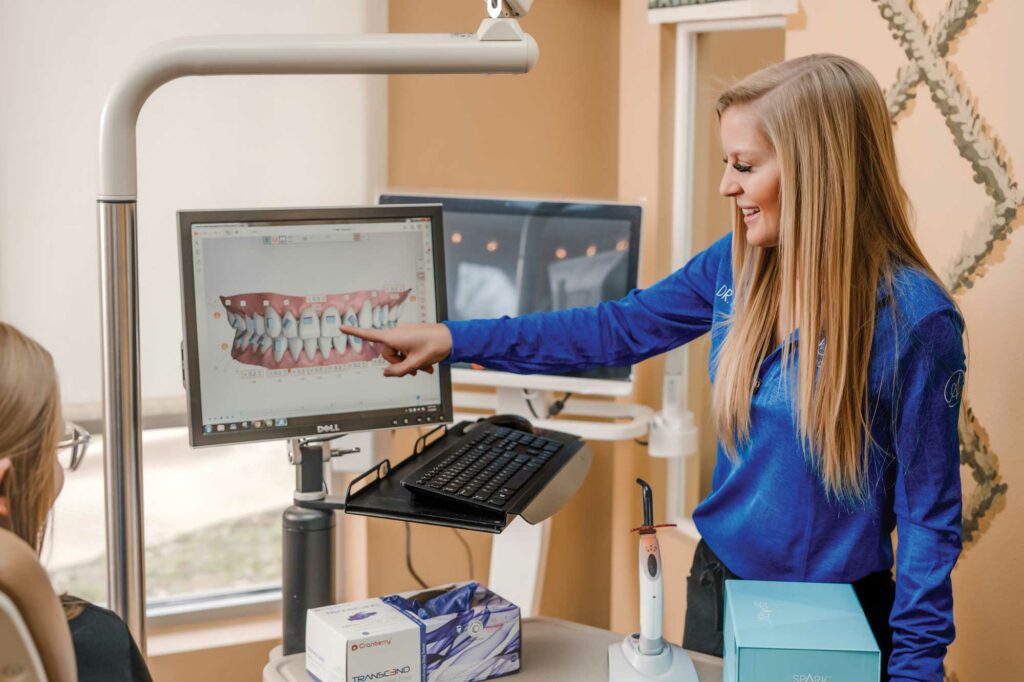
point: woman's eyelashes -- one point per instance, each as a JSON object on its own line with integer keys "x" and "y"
{"x": 740, "y": 167}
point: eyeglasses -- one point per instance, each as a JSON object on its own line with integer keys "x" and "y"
{"x": 71, "y": 449}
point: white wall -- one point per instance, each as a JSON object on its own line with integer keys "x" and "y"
{"x": 203, "y": 143}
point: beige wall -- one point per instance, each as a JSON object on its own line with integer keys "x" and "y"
{"x": 549, "y": 133}
{"x": 241, "y": 662}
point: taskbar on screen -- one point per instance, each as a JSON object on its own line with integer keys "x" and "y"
{"x": 408, "y": 416}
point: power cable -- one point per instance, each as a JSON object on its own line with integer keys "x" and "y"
{"x": 528, "y": 397}
{"x": 558, "y": 405}
{"x": 408, "y": 556}
{"x": 469, "y": 553}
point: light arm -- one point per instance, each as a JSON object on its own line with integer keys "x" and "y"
{"x": 499, "y": 46}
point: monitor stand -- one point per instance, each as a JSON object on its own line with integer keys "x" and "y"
{"x": 307, "y": 571}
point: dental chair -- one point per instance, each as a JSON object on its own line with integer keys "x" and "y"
{"x": 35, "y": 642}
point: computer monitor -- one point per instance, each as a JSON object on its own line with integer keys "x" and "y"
{"x": 513, "y": 256}
{"x": 264, "y": 294}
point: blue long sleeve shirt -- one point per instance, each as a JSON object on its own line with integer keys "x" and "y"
{"x": 767, "y": 515}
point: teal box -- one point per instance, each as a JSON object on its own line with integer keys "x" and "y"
{"x": 796, "y": 632}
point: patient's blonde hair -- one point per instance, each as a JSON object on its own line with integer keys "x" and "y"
{"x": 845, "y": 226}
{"x": 30, "y": 428}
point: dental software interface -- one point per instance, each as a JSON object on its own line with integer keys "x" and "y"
{"x": 268, "y": 300}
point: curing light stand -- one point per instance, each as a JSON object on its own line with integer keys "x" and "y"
{"x": 646, "y": 655}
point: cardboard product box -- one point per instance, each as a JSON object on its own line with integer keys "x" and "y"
{"x": 362, "y": 641}
{"x": 796, "y": 632}
{"x": 454, "y": 633}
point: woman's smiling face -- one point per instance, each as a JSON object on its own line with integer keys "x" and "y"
{"x": 751, "y": 174}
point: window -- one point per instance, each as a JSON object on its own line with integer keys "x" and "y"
{"x": 212, "y": 521}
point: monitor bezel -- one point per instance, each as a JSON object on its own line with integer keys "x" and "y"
{"x": 574, "y": 383}
{"x": 375, "y": 420}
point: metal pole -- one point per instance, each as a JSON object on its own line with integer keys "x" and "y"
{"x": 499, "y": 46}
{"x": 122, "y": 442}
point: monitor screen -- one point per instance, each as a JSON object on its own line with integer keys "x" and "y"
{"x": 510, "y": 257}
{"x": 265, "y": 293}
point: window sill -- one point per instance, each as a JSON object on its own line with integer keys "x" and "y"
{"x": 177, "y": 639}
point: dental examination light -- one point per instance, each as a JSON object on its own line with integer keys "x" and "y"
{"x": 646, "y": 655}
{"x": 498, "y": 46}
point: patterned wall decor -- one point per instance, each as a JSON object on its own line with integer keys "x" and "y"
{"x": 982, "y": 248}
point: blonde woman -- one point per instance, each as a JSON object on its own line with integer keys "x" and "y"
{"x": 837, "y": 364}
{"x": 35, "y": 447}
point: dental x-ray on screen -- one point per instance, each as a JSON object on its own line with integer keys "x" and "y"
{"x": 265, "y": 295}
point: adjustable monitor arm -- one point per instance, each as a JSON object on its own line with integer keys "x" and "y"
{"x": 307, "y": 568}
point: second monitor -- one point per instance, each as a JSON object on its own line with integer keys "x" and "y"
{"x": 511, "y": 257}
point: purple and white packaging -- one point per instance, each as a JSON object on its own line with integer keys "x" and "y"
{"x": 469, "y": 633}
{"x": 452, "y": 633}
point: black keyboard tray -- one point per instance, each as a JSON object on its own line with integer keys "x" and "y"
{"x": 379, "y": 491}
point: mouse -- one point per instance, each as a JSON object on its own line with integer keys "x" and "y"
{"x": 512, "y": 421}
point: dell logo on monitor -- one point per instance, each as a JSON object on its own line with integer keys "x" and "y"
{"x": 327, "y": 428}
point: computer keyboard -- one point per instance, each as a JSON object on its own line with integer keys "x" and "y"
{"x": 490, "y": 468}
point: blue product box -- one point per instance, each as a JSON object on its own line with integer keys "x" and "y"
{"x": 796, "y": 632}
{"x": 468, "y": 633}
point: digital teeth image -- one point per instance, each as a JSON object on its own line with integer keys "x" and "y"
{"x": 294, "y": 347}
{"x": 289, "y": 327}
{"x": 273, "y": 321}
{"x": 366, "y": 315}
{"x": 280, "y": 344}
{"x": 305, "y": 331}
{"x": 352, "y": 321}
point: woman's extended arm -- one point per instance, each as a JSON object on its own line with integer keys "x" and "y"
{"x": 646, "y": 322}
{"x": 927, "y": 500}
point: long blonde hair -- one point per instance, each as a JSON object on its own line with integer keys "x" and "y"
{"x": 30, "y": 429}
{"x": 845, "y": 225}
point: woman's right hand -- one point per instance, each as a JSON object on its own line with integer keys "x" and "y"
{"x": 409, "y": 347}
